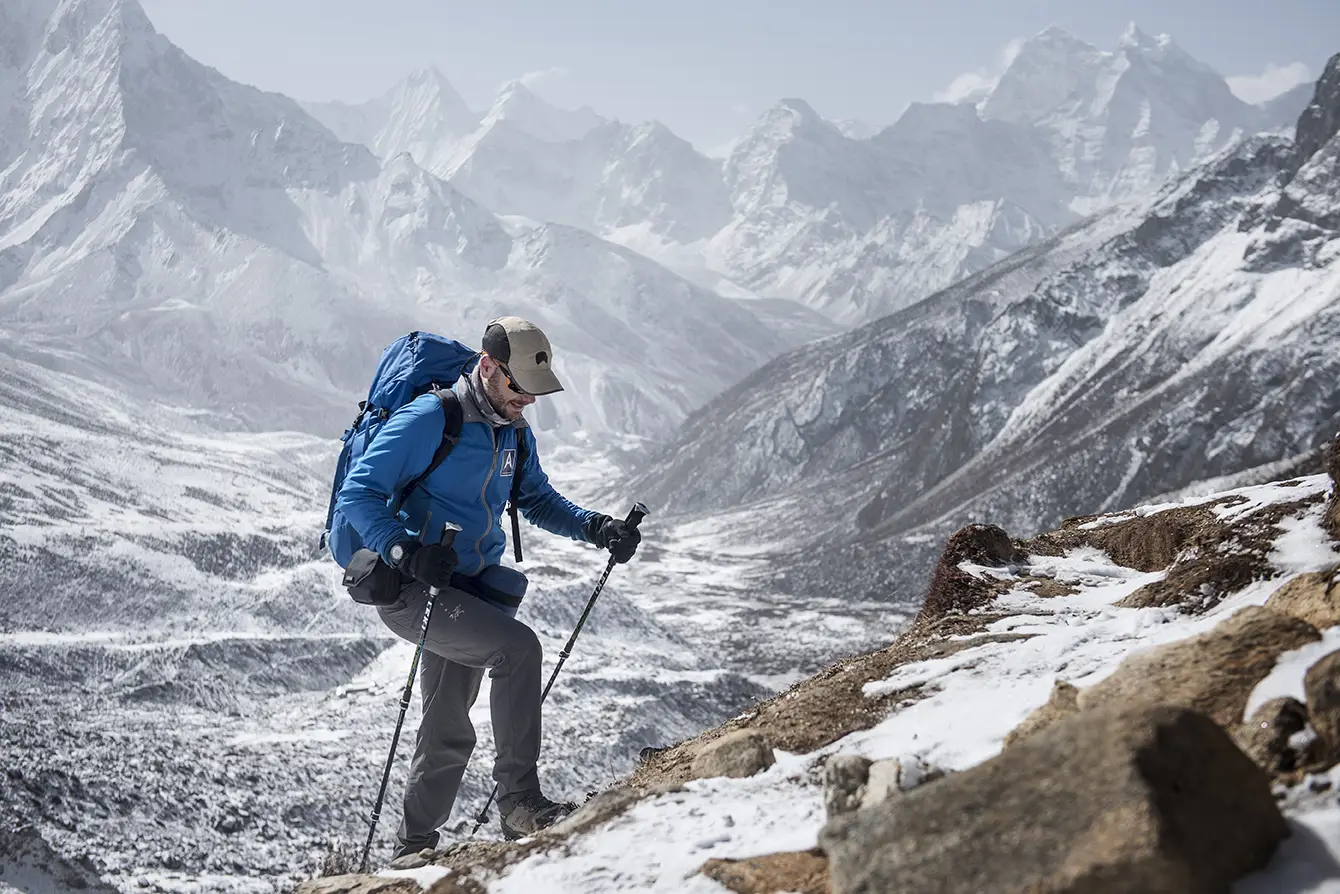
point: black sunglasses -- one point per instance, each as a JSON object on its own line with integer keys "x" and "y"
{"x": 511, "y": 381}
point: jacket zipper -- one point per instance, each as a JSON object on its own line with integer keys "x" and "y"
{"x": 484, "y": 500}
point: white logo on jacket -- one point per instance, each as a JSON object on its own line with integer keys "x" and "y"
{"x": 508, "y": 463}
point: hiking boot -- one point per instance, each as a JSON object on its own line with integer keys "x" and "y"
{"x": 533, "y": 813}
{"x": 406, "y": 849}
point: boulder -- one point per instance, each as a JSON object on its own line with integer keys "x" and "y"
{"x": 1149, "y": 799}
{"x": 1266, "y": 736}
{"x": 845, "y": 776}
{"x": 1314, "y": 597}
{"x": 736, "y": 754}
{"x": 954, "y": 591}
{"x": 1063, "y": 702}
{"x": 802, "y": 872}
{"x": 1213, "y": 673}
{"x": 600, "y": 809}
{"x": 1322, "y": 685}
{"x": 360, "y": 884}
{"x": 890, "y": 778}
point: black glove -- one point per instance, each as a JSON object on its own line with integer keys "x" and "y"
{"x": 429, "y": 563}
{"x": 615, "y": 535}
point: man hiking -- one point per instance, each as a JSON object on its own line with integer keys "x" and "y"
{"x": 473, "y": 626}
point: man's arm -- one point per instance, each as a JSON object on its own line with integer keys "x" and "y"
{"x": 545, "y": 507}
{"x": 402, "y": 449}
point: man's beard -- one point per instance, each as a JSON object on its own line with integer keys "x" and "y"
{"x": 502, "y": 398}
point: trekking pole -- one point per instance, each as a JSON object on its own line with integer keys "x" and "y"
{"x": 635, "y": 516}
{"x": 449, "y": 532}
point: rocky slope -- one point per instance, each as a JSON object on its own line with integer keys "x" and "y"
{"x": 1158, "y": 344}
{"x": 1074, "y": 700}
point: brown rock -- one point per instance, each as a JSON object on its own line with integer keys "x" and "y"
{"x": 1331, "y": 522}
{"x": 604, "y": 807}
{"x": 802, "y": 872}
{"x": 1062, "y": 703}
{"x": 953, "y": 590}
{"x": 1213, "y": 673}
{"x": 1314, "y": 597}
{"x": 737, "y": 754}
{"x": 845, "y": 776}
{"x": 450, "y": 885}
{"x": 359, "y": 884}
{"x": 1265, "y": 736}
{"x": 1147, "y": 799}
{"x": 1322, "y": 685}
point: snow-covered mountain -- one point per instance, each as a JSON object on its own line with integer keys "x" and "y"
{"x": 857, "y": 223}
{"x": 1163, "y": 342}
{"x": 1121, "y": 121}
{"x": 422, "y": 115}
{"x": 191, "y": 239}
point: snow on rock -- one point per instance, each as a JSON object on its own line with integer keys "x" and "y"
{"x": 951, "y": 711}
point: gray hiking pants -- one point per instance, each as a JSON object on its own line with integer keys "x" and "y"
{"x": 466, "y": 636}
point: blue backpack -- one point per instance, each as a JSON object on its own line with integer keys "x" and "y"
{"x": 411, "y": 366}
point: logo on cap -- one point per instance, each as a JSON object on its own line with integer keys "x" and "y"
{"x": 541, "y": 357}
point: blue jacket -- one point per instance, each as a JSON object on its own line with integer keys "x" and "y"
{"x": 469, "y": 488}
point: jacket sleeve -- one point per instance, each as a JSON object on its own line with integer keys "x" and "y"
{"x": 402, "y": 449}
{"x": 543, "y": 506}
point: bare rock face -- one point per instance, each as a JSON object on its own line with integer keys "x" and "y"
{"x": 1063, "y": 702}
{"x": 1266, "y": 735}
{"x": 1314, "y": 597}
{"x": 1213, "y": 673}
{"x": 802, "y": 872}
{"x": 359, "y": 884}
{"x": 737, "y": 754}
{"x": 1116, "y": 800}
{"x": 845, "y": 778}
{"x": 953, "y": 590}
{"x": 1322, "y": 685}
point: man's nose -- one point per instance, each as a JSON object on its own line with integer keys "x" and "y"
{"x": 527, "y": 399}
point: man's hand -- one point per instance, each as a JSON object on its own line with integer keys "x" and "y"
{"x": 430, "y": 563}
{"x": 615, "y": 535}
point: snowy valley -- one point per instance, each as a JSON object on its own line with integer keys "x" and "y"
{"x": 1104, "y": 281}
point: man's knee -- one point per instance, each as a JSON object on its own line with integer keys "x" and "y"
{"x": 523, "y": 648}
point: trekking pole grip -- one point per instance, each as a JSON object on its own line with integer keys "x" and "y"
{"x": 449, "y": 532}
{"x": 636, "y": 514}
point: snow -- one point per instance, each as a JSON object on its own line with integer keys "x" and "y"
{"x": 1287, "y": 677}
{"x": 964, "y": 706}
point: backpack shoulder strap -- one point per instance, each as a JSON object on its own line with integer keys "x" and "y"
{"x": 451, "y": 433}
{"x": 522, "y": 454}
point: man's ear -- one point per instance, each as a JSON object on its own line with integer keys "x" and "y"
{"x": 486, "y": 365}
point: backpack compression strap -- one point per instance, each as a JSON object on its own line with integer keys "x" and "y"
{"x": 451, "y": 434}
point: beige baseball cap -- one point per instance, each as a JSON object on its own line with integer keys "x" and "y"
{"x": 523, "y": 349}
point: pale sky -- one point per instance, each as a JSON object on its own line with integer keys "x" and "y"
{"x": 707, "y": 68}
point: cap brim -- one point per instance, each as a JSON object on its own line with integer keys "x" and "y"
{"x": 538, "y": 382}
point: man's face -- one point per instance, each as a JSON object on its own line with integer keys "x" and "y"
{"x": 506, "y": 402}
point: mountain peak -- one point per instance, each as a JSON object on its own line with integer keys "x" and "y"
{"x": 521, "y": 107}
{"x": 1134, "y": 37}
